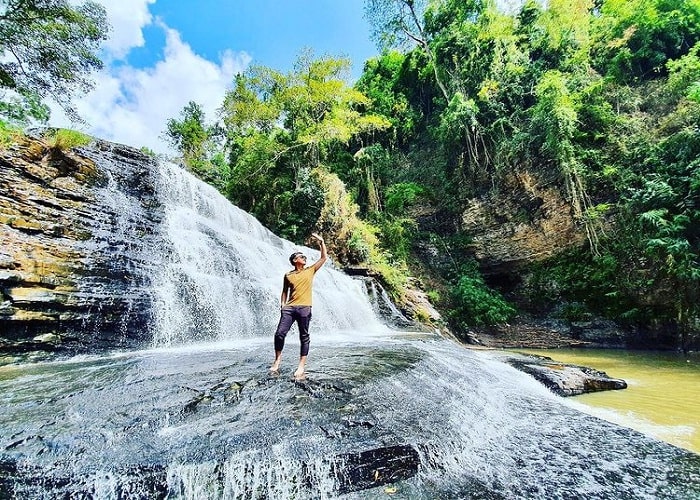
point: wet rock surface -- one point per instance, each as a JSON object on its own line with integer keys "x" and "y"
{"x": 419, "y": 418}
{"x": 72, "y": 260}
{"x": 562, "y": 378}
{"x": 207, "y": 415}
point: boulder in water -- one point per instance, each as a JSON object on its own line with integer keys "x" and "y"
{"x": 565, "y": 379}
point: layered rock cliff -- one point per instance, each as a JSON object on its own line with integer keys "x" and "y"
{"x": 67, "y": 277}
{"x": 529, "y": 222}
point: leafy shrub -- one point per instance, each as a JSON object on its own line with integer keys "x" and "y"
{"x": 359, "y": 246}
{"x": 8, "y": 134}
{"x": 475, "y": 303}
{"x": 148, "y": 151}
{"x": 397, "y": 235}
{"x": 433, "y": 296}
{"x": 355, "y": 241}
{"x": 401, "y": 196}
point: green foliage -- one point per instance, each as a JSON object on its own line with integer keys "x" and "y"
{"x": 189, "y": 134}
{"x": 458, "y": 120}
{"x": 684, "y": 73}
{"x": 694, "y": 92}
{"x": 21, "y": 107}
{"x": 521, "y": 93}
{"x": 667, "y": 206}
{"x": 583, "y": 284}
{"x": 305, "y": 205}
{"x": 398, "y": 234}
{"x": 383, "y": 82}
{"x": 280, "y": 128}
{"x": 148, "y": 151}
{"x": 198, "y": 143}
{"x": 634, "y": 39}
{"x": 401, "y": 196}
{"x": 554, "y": 118}
{"x": 9, "y": 134}
{"x": 356, "y": 241}
{"x": 65, "y": 139}
{"x": 433, "y": 296}
{"x": 475, "y": 304}
{"x": 50, "y": 48}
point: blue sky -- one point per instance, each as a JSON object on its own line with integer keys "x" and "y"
{"x": 272, "y": 32}
{"x": 163, "y": 53}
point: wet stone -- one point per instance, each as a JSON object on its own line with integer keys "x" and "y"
{"x": 564, "y": 379}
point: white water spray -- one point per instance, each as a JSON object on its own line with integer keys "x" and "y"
{"x": 221, "y": 273}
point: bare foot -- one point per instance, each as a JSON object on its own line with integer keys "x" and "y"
{"x": 299, "y": 373}
{"x": 275, "y": 368}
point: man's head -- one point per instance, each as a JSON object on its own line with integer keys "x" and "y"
{"x": 296, "y": 256}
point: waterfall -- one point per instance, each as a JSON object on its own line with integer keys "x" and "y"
{"x": 383, "y": 305}
{"x": 221, "y": 272}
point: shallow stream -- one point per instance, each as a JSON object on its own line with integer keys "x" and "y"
{"x": 662, "y": 398}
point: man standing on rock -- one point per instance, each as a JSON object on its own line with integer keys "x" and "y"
{"x": 295, "y": 305}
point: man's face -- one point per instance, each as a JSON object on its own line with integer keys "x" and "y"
{"x": 300, "y": 259}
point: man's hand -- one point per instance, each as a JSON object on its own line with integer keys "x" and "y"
{"x": 317, "y": 265}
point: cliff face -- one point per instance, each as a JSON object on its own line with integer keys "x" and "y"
{"x": 526, "y": 223}
{"x": 72, "y": 235}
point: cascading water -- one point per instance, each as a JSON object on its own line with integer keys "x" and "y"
{"x": 382, "y": 412}
{"x": 222, "y": 272}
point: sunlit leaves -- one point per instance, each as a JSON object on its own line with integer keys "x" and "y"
{"x": 684, "y": 73}
{"x": 555, "y": 116}
{"x": 251, "y": 105}
{"x": 49, "y": 49}
{"x": 312, "y": 103}
{"x": 635, "y": 38}
{"x": 280, "y": 127}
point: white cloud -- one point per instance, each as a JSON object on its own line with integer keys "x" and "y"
{"x": 127, "y": 18}
{"x": 132, "y": 105}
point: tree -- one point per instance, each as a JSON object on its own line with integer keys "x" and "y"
{"x": 382, "y": 81}
{"x": 635, "y": 38}
{"x": 280, "y": 128}
{"x": 667, "y": 206}
{"x": 49, "y": 50}
{"x": 189, "y": 135}
{"x": 197, "y": 143}
{"x": 396, "y": 23}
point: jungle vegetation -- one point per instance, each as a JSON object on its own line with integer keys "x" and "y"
{"x": 50, "y": 49}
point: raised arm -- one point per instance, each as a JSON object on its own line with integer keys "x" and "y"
{"x": 324, "y": 255}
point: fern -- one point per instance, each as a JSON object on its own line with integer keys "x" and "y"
{"x": 655, "y": 217}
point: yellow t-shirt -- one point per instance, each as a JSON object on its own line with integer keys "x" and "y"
{"x": 299, "y": 283}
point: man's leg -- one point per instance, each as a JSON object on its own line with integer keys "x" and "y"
{"x": 285, "y": 323}
{"x": 303, "y": 321}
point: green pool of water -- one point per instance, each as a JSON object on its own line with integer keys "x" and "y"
{"x": 663, "y": 394}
